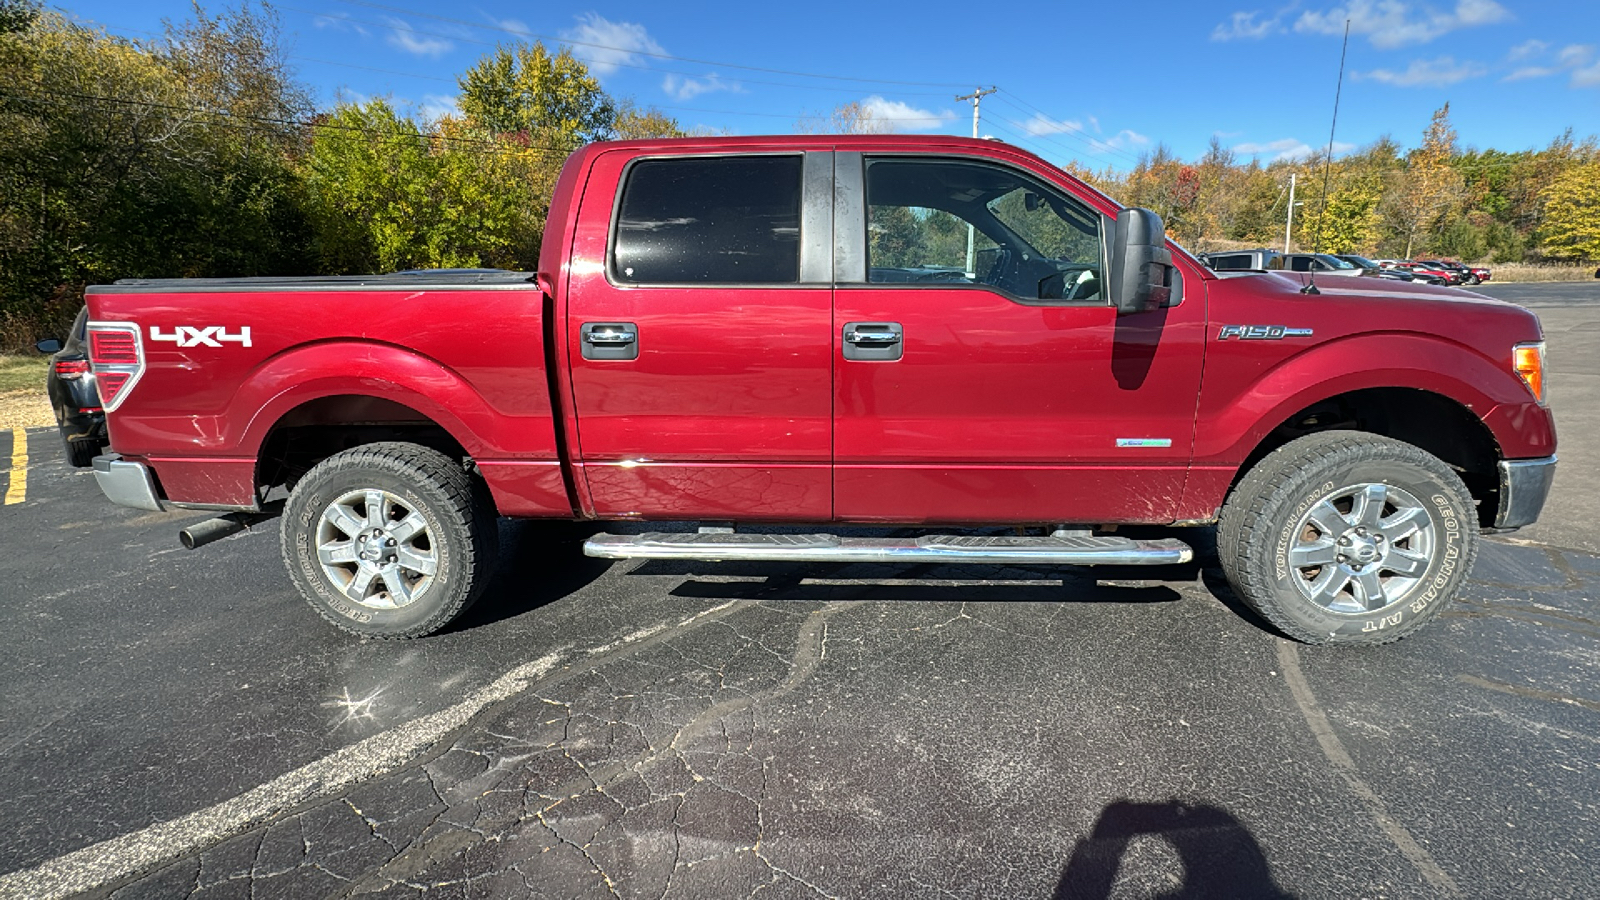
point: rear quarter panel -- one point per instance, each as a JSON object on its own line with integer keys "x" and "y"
{"x": 472, "y": 360}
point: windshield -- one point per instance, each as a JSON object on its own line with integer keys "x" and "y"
{"x": 1335, "y": 262}
{"x": 1361, "y": 261}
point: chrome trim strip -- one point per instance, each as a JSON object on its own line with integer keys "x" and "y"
{"x": 1524, "y": 485}
{"x": 826, "y": 548}
{"x": 126, "y": 483}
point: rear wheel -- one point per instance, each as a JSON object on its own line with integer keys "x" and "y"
{"x": 389, "y": 540}
{"x": 1347, "y": 537}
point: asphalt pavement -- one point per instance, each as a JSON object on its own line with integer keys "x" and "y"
{"x": 177, "y": 724}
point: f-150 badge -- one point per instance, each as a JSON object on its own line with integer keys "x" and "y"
{"x": 209, "y": 336}
{"x": 1261, "y": 332}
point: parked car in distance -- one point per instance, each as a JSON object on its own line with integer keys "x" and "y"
{"x": 1419, "y": 272}
{"x": 1373, "y": 269}
{"x": 1319, "y": 263}
{"x": 1258, "y": 260}
{"x": 1469, "y": 274}
{"x": 1452, "y": 274}
{"x": 73, "y": 395}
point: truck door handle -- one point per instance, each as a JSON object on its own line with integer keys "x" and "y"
{"x": 873, "y": 341}
{"x": 610, "y": 340}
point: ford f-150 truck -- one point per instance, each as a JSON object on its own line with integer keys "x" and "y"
{"x": 948, "y": 339}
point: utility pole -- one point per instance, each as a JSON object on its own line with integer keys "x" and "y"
{"x": 976, "y": 97}
{"x": 1289, "y": 224}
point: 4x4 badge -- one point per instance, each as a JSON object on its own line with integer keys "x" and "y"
{"x": 1261, "y": 332}
{"x": 207, "y": 336}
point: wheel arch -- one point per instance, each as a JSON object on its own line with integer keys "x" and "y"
{"x": 1434, "y": 422}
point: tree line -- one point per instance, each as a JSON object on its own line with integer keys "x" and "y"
{"x": 197, "y": 153}
{"x": 1438, "y": 199}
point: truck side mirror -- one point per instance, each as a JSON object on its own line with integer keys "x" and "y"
{"x": 1141, "y": 265}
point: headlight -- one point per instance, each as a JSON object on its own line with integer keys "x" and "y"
{"x": 1528, "y": 360}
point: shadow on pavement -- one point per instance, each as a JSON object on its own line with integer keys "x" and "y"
{"x": 540, "y": 562}
{"x": 1220, "y": 856}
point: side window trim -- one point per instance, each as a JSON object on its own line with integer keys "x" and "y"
{"x": 850, "y": 228}
{"x": 613, "y": 225}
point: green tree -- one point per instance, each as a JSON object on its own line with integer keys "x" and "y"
{"x": 1430, "y": 187}
{"x": 526, "y": 89}
{"x": 1571, "y": 228}
{"x": 386, "y": 195}
{"x": 636, "y": 123}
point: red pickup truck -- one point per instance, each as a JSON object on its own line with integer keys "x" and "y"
{"x": 940, "y": 334}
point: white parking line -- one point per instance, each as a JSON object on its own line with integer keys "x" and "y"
{"x": 108, "y": 861}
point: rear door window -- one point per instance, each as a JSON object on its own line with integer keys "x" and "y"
{"x": 709, "y": 220}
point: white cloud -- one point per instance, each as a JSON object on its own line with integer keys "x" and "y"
{"x": 1574, "y": 58}
{"x": 437, "y": 106}
{"x": 1043, "y": 124}
{"x": 681, "y": 87}
{"x": 1244, "y": 26}
{"x": 1122, "y": 140}
{"x": 401, "y": 35}
{"x": 898, "y": 116}
{"x": 1398, "y": 23}
{"x": 1527, "y": 72}
{"x": 606, "y": 46}
{"x": 339, "y": 22}
{"x": 1575, "y": 54}
{"x": 1527, "y": 50}
{"x": 1441, "y": 72}
{"x": 1288, "y": 149}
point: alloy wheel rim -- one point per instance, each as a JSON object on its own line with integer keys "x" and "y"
{"x": 1363, "y": 548}
{"x": 376, "y": 549}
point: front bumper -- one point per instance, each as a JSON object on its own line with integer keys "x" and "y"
{"x": 126, "y": 483}
{"x": 1524, "y": 485}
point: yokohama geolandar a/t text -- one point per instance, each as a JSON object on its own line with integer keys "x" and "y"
{"x": 388, "y": 540}
{"x": 1345, "y": 537}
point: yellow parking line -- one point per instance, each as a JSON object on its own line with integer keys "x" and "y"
{"x": 18, "y": 491}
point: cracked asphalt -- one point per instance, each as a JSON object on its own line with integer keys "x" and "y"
{"x": 176, "y": 724}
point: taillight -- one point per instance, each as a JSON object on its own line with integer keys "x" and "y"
{"x": 117, "y": 357}
{"x": 72, "y": 368}
{"x": 1528, "y": 360}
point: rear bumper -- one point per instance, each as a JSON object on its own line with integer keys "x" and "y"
{"x": 126, "y": 483}
{"x": 1524, "y": 485}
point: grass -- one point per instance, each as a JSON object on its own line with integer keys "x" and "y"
{"x": 1521, "y": 272}
{"x": 23, "y": 373}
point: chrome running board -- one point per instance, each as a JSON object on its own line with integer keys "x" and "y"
{"x": 1071, "y": 550}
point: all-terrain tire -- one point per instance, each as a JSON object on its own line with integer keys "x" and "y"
{"x": 1344, "y": 537}
{"x": 389, "y": 540}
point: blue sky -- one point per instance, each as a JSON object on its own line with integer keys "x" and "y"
{"x": 1095, "y": 83}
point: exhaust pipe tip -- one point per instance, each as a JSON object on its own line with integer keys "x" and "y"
{"x": 202, "y": 533}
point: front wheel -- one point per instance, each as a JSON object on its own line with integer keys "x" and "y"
{"x": 389, "y": 540}
{"x": 1347, "y": 537}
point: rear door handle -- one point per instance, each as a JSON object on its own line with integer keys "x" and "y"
{"x": 610, "y": 340}
{"x": 873, "y": 341}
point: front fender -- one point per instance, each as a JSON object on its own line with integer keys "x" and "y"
{"x": 1239, "y": 408}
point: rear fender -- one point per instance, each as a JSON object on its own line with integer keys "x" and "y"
{"x": 367, "y": 369}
